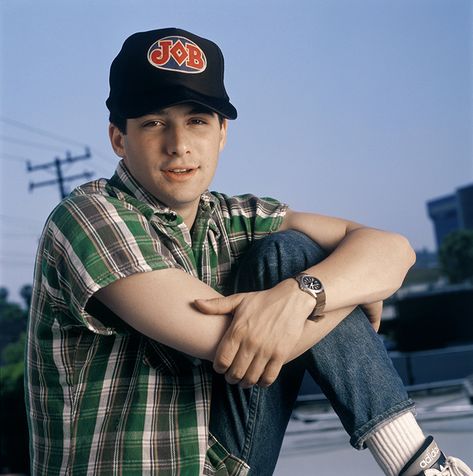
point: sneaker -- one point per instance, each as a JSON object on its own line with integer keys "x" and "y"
{"x": 430, "y": 461}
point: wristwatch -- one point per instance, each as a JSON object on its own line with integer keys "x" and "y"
{"x": 315, "y": 288}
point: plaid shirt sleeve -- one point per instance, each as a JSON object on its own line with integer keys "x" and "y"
{"x": 111, "y": 401}
{"x": 247, "y": 218}
{"x": 92, "y": 241}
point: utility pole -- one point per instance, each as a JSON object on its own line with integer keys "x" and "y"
{"x": 57, "y": 163}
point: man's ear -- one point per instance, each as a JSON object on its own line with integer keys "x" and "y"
{"x": 117, "y": 140}
{"x": 223, "y": 134}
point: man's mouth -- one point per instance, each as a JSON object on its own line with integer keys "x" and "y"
{"x": 180, "y": 173}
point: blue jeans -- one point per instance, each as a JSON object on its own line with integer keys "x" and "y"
{"x": 350, "y": 365}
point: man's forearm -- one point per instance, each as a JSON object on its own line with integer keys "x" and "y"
{"x": 314, "y": 332}
{"x": 159, "y": 304}
{"x": 368, "y": 265}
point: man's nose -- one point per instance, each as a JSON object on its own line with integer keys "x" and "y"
{"x": 177, "y": 141}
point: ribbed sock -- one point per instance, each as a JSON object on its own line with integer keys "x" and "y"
{"x": 394, "y": 443}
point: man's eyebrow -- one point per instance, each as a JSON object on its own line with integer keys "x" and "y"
{"x": 197, "y": 109}
{"x": 201, "y": 110}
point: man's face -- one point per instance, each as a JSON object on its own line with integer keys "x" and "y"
{"x": 173, "y": 153}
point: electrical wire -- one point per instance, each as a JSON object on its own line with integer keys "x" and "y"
{"x": 14, "y": 158}
{"x": 104, "y": 156}
{"x": 52, "y": 135}
{"x": 24, "y": 235}
{"x": 16, "y": 262}
{"x": 43, "y": 132}
{"x": 19, "y": 220}
{"x": 37, "y": 145}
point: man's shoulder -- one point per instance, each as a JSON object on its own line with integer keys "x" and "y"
{"x": 237, "y": 202}
{"x": 94, "y": 205}
{"x": 246, "y": 204}
{"x": 82, "y": 201}
{"x": 94, "y": 187}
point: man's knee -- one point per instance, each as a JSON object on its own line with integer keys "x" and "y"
{"x": 288, "y": 245}
{"x": 276, "y": 257}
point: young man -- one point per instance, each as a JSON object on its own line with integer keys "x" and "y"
{"x": 170, "y": 326}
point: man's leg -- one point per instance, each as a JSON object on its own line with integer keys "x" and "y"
{"x": 350, "y": 365}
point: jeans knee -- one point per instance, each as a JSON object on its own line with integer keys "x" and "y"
{"x": 289, "y": 245}
{"x": 276, "y": 257}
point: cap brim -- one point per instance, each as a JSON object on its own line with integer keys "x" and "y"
{"x": 136, "y": 106}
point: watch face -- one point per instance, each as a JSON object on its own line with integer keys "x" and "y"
{"x": 312, "y": 283}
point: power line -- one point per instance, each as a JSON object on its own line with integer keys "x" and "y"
{"x": 104, "y": 156}
{"x": 37, "y": 130}
{"x": 57, "y": 163}
{"x": 16, "y": 254}
{"x": 100, "y": 165}
{"x": 17, "y": 262}
{"x": 19, "y": 220}
{"x": 20, "y": 234}
{"x": 37, "y": 145}
{"x": 51, "y": 135}
{"x": 25, "y": 160}
{"x": 45, "y": 133}
{"x": 14, "y": 158}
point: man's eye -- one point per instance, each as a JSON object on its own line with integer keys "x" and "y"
{"x": 198, "y": 121}
{"x": 150, "y": 124}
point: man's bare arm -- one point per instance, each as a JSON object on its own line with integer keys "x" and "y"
{"x": 160, "y": 305}
{"x": 269, "y": 327}
{"x": 365, "y": 265}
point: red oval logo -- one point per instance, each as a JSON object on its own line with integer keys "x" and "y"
{"x": 177, "y": 53}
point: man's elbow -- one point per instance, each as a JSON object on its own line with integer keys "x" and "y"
{"x": 406, "y": 251}
{"x": 396, "y": 246}
{"x": 405, "y": 256}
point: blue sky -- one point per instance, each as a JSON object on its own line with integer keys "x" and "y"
{"x": 354, "y": 108}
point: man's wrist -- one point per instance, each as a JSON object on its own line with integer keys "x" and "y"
{"x": 313, "y": 287}
{"x": 304, "y": 299}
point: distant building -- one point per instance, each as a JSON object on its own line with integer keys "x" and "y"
{"x": 452, "y": 212}
{"x": 426, "y": 259}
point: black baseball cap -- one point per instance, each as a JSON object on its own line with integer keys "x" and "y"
{"x": 161, "y": 68}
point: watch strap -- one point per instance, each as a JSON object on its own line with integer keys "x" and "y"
{"x": 318, "y": 295}
{"x": 318, "y": 311}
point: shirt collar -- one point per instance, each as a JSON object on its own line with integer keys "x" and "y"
{"x": 124, "y": 181}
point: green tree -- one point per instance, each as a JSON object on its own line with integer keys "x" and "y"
{"x": 10, "y": 312}
{"x": 3, "y": 295}
{"x": 456, "y": 256}
{"x": 15, "y": 351}
{"x": 26, "y": 292}
{"x": 12, "y": 318}
{"x": 13, "y": 425}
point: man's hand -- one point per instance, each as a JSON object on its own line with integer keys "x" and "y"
{"x": 373, "y": 311}
{"x": 265, "y": 328}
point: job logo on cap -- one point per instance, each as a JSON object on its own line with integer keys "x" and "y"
{"x": 177, "y": 53}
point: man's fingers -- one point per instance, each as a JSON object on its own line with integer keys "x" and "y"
{"x": 376, "y": 324}
{"x": 376, "y": 319}
{"x": 239, "y": 367}
{"x": 374, "y": 311}
{"x": 227, "y": 350}
{"x": 222, "y": 305}
{"x": 270, "y": 373}
{"x": 236, "y": 352}
{"x": 254, "y": 372}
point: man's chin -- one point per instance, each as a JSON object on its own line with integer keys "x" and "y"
{"x": 182, "y": 204}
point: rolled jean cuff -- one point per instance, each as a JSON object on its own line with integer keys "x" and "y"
{"x": 358, "y": 439}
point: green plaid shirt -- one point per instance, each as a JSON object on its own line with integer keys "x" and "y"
{"x": 102, "y": 398}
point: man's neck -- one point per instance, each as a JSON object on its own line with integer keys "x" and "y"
{"x": 189, "y": 220}
{"x": 188, "y": 214}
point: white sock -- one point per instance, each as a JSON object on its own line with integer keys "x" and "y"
{"x": 394, "y": 444}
